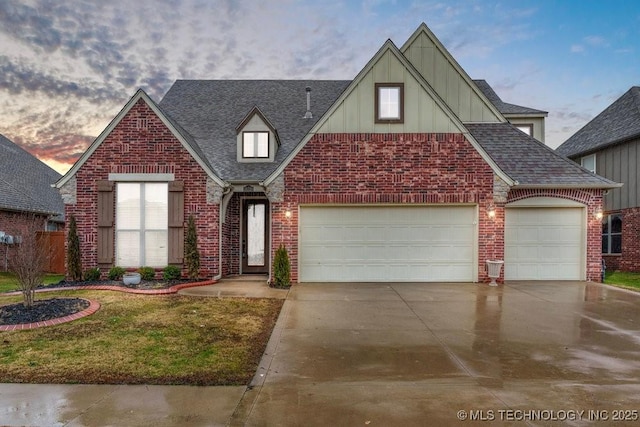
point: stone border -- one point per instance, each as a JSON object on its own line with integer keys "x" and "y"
{"x": 93, "y": 307}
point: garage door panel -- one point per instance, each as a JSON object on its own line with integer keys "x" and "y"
{"x": 389, "y": 243}
{"x": 544, "y": 244}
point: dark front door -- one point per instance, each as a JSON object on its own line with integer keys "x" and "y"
{"x": 255, "y": 236}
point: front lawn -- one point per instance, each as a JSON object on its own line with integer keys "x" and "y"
{"x": 623, "y": 279}
{"x": 137, "y": 339}
{"x": 9, "y": 283}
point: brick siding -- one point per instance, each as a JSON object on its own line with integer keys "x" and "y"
{"x": 363, "y": 169}
{"x": 141, "y": 143}
{"x": 15, "y": 224}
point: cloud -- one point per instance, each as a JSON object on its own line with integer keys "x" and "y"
{"x": 577, "y": 48}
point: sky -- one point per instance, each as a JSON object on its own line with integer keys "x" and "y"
{"x": 68, "y": 67}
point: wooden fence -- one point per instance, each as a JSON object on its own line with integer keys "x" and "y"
{"x": 53, "y": 242}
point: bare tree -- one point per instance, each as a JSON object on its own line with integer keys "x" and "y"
{"x": 29, "y": 258}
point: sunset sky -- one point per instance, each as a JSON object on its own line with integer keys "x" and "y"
{"x": 68, "y": 67}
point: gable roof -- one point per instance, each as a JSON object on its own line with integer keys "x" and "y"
{"x": 389, "y": 46}
{"x": 504, "y": 107}
{"x": 429, "y": 70}
{"x": 176, "y": 129}
{"x": 618, "y": 123}
{"x": 529, "y": 162}
{"x": 210, "y": 110}
{"x": 25, "y": 182}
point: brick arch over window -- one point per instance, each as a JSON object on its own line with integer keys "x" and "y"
{"x": 580, "y": 196}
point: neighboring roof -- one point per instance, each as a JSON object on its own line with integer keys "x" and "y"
{"x": 531, "y": 163}
{"x": 25, "y": 182}
{"x": 210, "y": 111}
{"x": 505, "y": 107}
{"x": 617, "y": 123}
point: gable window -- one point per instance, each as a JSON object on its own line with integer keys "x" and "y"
{"x": 589, "y": 163}
{"x": 527, "y": 128}
{"x": 612, "y": 234}
{"x": 389, "y": 102}
{"x": 255, "y": 144}
{"x": 142, "y": 211}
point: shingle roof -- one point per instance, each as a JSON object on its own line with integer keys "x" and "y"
{"x": 617, "y": 123}
{"x": 25, "y": 182}
{"x": 210, "y": 111}
{"x": 529, "y": 162}
{"x": 504, "y": 107}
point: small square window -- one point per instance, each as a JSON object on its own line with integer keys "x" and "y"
{"x": 526, "y": 128}
{"x": 255, "y": 144}
{"x": 589, "y": 163}
{"x": 389, "y": 103}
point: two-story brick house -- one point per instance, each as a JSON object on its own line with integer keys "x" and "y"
{"x": 407, "y": 172}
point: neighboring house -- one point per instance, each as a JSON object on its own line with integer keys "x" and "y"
{"x": 408, "y": 172}
{"x": 528, "y": 120}
{"x": 26, "y": 194}
{"x": 609, "y": 145}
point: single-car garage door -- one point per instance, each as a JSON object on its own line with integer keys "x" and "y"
{"x": 544, "y": 243}
{"x": 387, "y": 243}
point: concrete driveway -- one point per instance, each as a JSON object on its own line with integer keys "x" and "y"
{"x": 535, "y": 353}
{"x": 442, "y": 354}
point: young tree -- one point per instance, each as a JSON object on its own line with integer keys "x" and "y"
{"x": 74, "y": 262}
{"x": 281, "y": 268}
{"x": 191, "y": 254}
{"x": 29, "y": 258}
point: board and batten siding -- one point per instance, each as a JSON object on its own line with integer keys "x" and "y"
{"x": 618, "y": 163}
{"x": 356, "y": 114}
{"x": 448, "y": 82}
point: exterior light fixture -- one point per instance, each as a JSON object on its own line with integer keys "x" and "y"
{"x": 287, "y": 214}
{"x": 598, "y": 213}
{"x": 491, "y": 211}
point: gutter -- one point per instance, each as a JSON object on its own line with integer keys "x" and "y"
{"x": 566, "y": 186}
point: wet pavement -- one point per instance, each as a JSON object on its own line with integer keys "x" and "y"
{"x": 529, "y": 353}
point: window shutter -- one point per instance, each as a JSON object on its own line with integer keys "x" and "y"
{"x": 105, "y": 222}
{"x": 176, "y": 222}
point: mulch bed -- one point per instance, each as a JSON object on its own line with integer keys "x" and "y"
{"x": 144, "y": 284}
{"x": 41, "y": 311}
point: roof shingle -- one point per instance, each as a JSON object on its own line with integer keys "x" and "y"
{"x": 617, "y": 123}
{"x": 505, "y": 107}
{"x": 25, "y": 182}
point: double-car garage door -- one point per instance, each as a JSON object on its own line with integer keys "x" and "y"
{"x": 387, "y": 243}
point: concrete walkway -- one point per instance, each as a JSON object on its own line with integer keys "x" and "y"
{"x": 399, "y": 354}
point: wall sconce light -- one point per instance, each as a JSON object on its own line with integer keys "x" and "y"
{"x": 598, "y": 213}
{"x": 287, "y": 214}
{"x": 491, "y": 211}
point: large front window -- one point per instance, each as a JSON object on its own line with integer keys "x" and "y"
{"x": 612, "y": 234}
{"x": 142, "y": 211}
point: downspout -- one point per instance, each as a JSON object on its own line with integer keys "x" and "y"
{"x": 221, "y": 219}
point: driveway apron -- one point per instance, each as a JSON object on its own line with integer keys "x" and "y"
{"x": 445, "y": 354}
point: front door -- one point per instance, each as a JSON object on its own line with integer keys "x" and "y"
{"x": 255, "y": 236}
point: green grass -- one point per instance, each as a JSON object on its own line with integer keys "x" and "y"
{"x": 136, "y": 339}
{"x": 622, "y": 279}
{"x": 9, "y": 283}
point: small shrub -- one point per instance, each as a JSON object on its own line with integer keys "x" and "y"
{"x": 281, "y": 268}
{"x": 116, "y": 273}
{"x": 171, "y": 272}
{"x": 147, "y": 273}
{"x": 92, "y": 274}
{"x": 74, "y": 263}
{"x": 191, "y": 253}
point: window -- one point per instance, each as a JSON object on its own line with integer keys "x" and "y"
{"x": 589, "y": 163}
{"x": 255, "y": 144}
{"x": 528, "y": 129}
{"x": 142, "y": 211}
{"x": 612, "y": 234}
{"x": 389, "y": 103}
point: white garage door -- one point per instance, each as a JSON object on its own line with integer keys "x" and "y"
{"x": 387, "y": 243}
{"x": 544, "y": 244}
